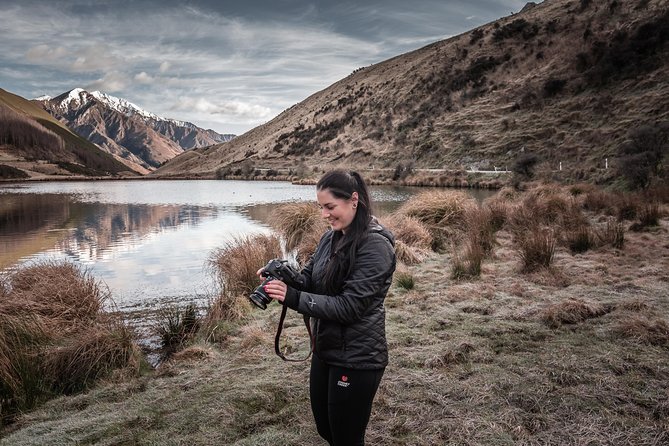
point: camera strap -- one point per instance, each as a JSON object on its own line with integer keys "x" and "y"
{"x": 277, "y": 350}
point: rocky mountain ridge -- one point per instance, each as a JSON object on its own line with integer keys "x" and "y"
{"x": 141, "y": 140}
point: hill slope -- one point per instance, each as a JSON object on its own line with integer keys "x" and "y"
{"x": 565, "y": 80}
{"x": 30, "y": 133}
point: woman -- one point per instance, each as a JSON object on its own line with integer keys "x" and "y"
{"x": 342, "y": 289}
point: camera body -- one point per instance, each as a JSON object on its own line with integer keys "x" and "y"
{"x": 275, "y": 269}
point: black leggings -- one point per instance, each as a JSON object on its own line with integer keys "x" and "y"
{"x": 341, "y": 400}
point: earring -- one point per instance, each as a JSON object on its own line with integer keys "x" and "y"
{"x": 355, "y": 206}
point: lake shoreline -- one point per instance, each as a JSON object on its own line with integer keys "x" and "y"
{"x": 451, "y": 179}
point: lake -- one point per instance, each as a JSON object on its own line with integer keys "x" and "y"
{"x": 147, "y": 240}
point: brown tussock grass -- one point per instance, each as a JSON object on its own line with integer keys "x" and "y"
{"x": 536, "y": 249}
{"x": 59, "y": 292}
{"x": 408, "y": 254}
{"x": 253, "y": 336}
{"x": 54, "y": 336}
{"x": 194, "y": 353}
{"x": 645, "y": 330}
{"x": 438, "y": 208}
{"x": 466, "y": 263}
{"x": 236, "y": 263}
{"x": 571, "y": 311}
{"x": 457, "y": 355}
{"x": 300, "y": 225}
{"x": 409, "y": 230}
{"x": 91, "y": 355}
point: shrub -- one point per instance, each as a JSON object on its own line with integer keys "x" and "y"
{"x": 536, "y": 249}
{"x": 630, "y": 55}
{"x": 640, "y": 157}
{"x": 480, "y": 229}
{"x": 92, "y": 354}
{"x": 402, "y": 171}
{"x": 545, "y": 206}
{"x": 628, "y": 207}
{"x": 524, "y": 164}
{"x": 553, "y": 87}
{"x": 498, "y": 211}
{"x": 407, "y": 254}
{"x": 10, "y": 172}
{"x": 409, "y": 230}
{"x": 475, "y": 36}
{"x": 236, "y": 263}
{"x": 518, "y": 27}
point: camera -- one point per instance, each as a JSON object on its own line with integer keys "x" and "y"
{"x": 275, "y": 269}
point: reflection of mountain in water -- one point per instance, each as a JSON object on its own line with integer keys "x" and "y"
{"x": 119, "y": 228}
{"x": 86, "y": 231}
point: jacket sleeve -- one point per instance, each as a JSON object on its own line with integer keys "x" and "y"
{"x": 371, "y": 273}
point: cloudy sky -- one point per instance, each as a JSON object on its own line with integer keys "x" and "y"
{"x": 225, "y": 65}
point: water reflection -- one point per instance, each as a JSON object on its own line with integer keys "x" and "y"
{"x": 149, "y": 241}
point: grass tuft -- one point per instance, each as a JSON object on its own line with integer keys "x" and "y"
{"x": 536, "y": 249}
{"x": 571, "y": 312}
{"x": 54, "y": 337}
{"x": 580, "y": 239}
{"x": 647, "y": 331}
{"x": 405, "y": 280}
{"x": 438, "y": 208}
{"x": 236, "y": 263}
{"x": 467, "y": 264}
{"x": 301, "y": 226}
{"x": 176, "y": 326}
{"x": 613, "y": 233}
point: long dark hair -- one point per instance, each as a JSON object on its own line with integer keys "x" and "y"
{"x": 341, "y": 184}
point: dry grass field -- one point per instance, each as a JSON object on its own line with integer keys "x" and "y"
{"x": 572, "y": 350}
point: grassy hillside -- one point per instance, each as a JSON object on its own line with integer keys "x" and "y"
{"x": 564, "y": 80}
{"x": 65, "y": 151}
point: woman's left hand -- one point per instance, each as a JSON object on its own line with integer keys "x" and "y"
{"x": 276, "y": 289}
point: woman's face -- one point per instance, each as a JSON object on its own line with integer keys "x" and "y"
{"x": 338, "y": 212}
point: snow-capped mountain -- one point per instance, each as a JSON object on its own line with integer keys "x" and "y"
{"x": 139, "y": 138}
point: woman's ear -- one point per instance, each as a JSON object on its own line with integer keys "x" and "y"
{"x": 354, "y": 199}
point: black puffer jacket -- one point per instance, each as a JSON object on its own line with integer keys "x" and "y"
{"x": 349, "y": 328}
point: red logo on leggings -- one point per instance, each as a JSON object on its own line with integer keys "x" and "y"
{"x": 343, "y": 382}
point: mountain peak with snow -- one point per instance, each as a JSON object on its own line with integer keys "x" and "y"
{"x": 124, "y": 106}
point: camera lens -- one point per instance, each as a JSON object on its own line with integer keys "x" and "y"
{"x": 259, "y": 297}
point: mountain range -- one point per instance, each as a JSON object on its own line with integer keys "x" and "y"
{"x": 35, "y": 144}
{"x": 138, "y": 138}
{"x": 563, "y": 80}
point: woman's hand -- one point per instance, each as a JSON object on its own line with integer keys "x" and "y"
{"x": 276, "y": 289}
